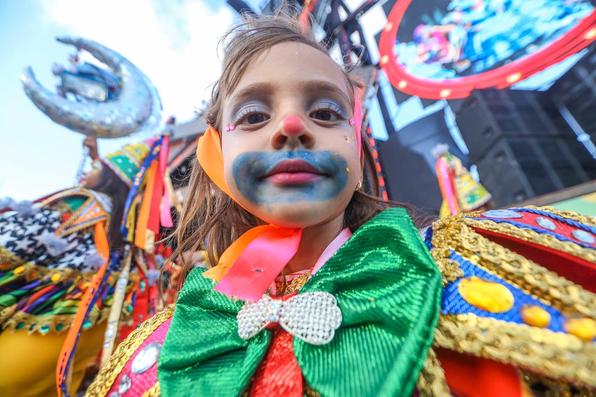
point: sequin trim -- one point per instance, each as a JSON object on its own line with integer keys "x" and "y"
{"x": 153, "y": 392}
{"x": 542, "y": 351}
{"x": 108, "y": 374}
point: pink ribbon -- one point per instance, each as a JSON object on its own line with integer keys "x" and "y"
{"x": 358, "y": 119}
{"x": 166, "y": 203}
{"x": 332, "y": 248}
{"x": 260, "y": 263}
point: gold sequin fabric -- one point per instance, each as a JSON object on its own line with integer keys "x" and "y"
{"x": 538, "y": 345}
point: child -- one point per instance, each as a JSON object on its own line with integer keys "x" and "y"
{"x": 49, "y": 254}
{"x": 319, "y": 287}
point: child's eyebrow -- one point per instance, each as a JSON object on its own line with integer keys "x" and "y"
{"x": 264, "y": 89}
{"x": 253, "y": 90}
{"x": 324, "y": 87}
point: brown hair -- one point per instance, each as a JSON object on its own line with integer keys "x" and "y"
{"x": 109, "y": 183}
{"x": 210, "y": 220}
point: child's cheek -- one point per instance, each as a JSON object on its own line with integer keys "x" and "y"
{"x": 250, "y": 169}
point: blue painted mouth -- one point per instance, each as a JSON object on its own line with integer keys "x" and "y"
{"x": 250, "y": 169}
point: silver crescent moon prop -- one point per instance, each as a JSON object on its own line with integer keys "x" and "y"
{"x": 137, "y": 107}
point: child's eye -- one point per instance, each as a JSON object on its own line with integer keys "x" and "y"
{"x": 324, "y": 115}
{"x": 251, "y": 115}
{"x": 328, "y": 112}
{"x": 256, "y": 118}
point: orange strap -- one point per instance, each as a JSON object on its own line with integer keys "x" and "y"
{"x": 63, "y": 368}
{"x": 211, "y": 158}
{"x": 145, "y": 211}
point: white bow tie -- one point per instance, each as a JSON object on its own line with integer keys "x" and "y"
{"x": 311, "y": 316}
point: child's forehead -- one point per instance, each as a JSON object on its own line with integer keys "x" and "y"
{"x": 294, "y": 64}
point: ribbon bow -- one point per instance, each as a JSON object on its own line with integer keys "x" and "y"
{"x": 312, "y": 317}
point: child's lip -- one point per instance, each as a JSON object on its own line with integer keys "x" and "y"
{"x": 293, "y": 172}
{"x": 294, "y": 166}
{"x": 293, "y": 178}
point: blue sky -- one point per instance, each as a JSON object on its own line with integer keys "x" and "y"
{"x": 173, "y": 42}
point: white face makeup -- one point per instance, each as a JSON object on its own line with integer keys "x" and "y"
{"x": 290, "y": 153}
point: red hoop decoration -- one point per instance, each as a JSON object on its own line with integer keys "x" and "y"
{"x": 571, "y": 42}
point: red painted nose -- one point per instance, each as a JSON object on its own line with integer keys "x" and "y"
{"x": 293, "y": 125}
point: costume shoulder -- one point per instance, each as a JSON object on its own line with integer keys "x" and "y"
{"x": 84, "y": 207}
{"x": 48, "y": 254}
{"x": 132, "y": 369}
{"x": 518, "y": 288}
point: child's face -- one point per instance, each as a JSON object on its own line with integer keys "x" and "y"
{"x": 290, "y": 153}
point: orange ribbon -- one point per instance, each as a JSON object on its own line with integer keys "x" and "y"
{"x": 63, "y": 369}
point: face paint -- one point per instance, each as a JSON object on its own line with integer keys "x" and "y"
{"x": 288, "y": 177}
{"x": 293, "y": 125}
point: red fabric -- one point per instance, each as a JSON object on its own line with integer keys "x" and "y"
{"x": 279, "y": 373}
{"x": 575, "y": 269}
{"x": 469, "y": 376}
{"x": 561, "y": 228}
{"x": 140, "y": 309}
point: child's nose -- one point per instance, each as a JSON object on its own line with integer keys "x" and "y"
{"x": 293, "y": 132}
{"x": 293, "y": 125}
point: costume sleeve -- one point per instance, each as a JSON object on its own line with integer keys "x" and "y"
{"x": 518, "y": 289}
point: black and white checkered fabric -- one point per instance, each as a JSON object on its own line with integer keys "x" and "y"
{"x": 24, "y": 237}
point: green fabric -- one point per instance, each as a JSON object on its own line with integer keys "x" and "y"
{"x": 388, "y": 290}
{"x": 75, "y": 202}
{"x": 126, "y": 161}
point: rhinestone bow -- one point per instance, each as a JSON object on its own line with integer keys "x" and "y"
{"x": 311, "y": 316}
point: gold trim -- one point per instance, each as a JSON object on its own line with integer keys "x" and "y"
{"x": 79, "y": 191}
{"x": 545, "y": 285}
{"x": 108, "y": 374}
{"x": 8, "y": 260}
{"x": 95, "y": 316}
{"x": 553, "y": 388}
{"x": 588, "y": 220}
{"x": 154, "y": 391}
{"x": 443, "y": 242}
{"x": 431, "y": 382}
{"x": 73, "y": 217}
{"x": 552, "y": 354}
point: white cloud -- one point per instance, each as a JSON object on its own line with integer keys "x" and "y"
{"x": 174, "y": 43}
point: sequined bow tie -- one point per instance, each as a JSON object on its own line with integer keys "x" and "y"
{"x": 311, "y": 316}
